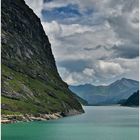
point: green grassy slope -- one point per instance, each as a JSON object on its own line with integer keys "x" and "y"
{"x": 30, "y": 81}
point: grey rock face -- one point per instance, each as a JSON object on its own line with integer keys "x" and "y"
{"x": 30, "y": 81}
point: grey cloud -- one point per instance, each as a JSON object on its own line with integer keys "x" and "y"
{"x": 127, "y": 5}
{"x": 122, "y": 24}
{"x": 117, "y": 40}
{"x": 97, "y": 47}
{"x": 74, "y": 65}
{"x": 129, "y": 51}
{"x": 123, "y": 29}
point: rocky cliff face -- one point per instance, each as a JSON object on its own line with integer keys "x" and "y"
{"x": 30, "y": 81}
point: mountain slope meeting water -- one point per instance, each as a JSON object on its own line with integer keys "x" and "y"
{"x": 31, "y": 84}
{"x": 133, "y": 100}
{"x": 104, "y": 95}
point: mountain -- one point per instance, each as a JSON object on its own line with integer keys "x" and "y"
{"x": 122, "y": 101}
{"x": 133, "y": 100}
{"x": 111, "y": 94}
{"x": 81, "y": 100}
{"x": 30, "y": 80}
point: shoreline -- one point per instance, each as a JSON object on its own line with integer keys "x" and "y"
{"x": 6, "y": 119}
{"x": 9, "y": 119}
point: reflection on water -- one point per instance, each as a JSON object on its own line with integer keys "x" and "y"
{"x": 98, "y": 123}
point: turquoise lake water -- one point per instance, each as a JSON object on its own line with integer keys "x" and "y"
{"x": 97, "y": 123}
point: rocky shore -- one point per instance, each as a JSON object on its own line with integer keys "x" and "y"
{"x": 6, "y": 119}
{"x": 29, "y": 117}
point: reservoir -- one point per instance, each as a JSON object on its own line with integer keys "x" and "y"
{"x": 97, "y": 123}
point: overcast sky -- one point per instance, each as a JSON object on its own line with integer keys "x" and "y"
{"x": 93, "y": 41}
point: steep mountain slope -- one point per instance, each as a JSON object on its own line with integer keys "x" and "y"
{"x": 30, "y": 81}
{"x": 133, "y": 100}
{"x": 81, "y": 100}
{"x": 97, "y": 95}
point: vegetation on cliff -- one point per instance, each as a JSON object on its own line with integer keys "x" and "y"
{"x": 30, "y": 81}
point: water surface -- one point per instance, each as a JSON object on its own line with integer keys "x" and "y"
{"x": 98, "y": 123}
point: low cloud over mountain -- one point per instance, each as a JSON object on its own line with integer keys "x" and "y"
{"x": 99, "y": 37}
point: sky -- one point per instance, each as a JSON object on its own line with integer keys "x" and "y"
{"x": 93, "y": 41}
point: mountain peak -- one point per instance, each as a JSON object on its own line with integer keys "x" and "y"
{"x": 120, "y": 89}
{"x": 124, "y": 81}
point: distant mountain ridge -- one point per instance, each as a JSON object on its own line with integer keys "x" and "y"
{"x": 110, "y": 94}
